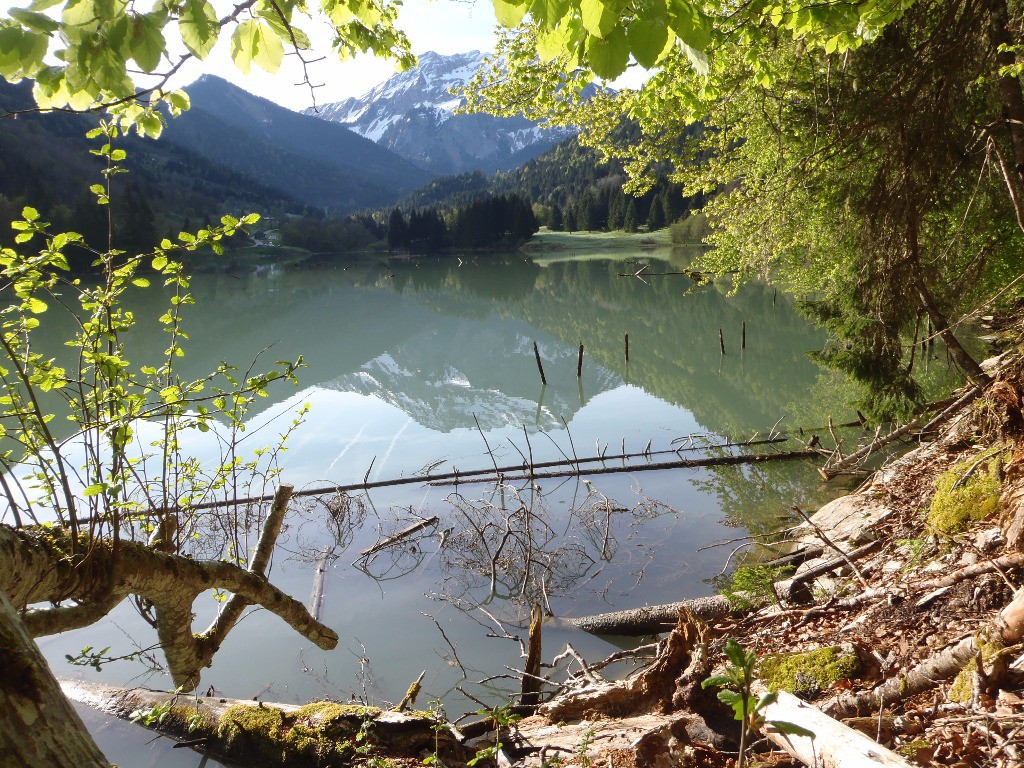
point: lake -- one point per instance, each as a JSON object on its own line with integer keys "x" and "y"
{"x": 421, "y": 365}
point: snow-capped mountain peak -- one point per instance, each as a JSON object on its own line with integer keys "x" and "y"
{"x": 413, "y": 115}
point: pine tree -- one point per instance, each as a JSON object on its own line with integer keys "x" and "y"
{"x": 629, "y": 222}
{"x": 398, "y": 230}
{"x": 556, "y": 222}
{"x": 656, "y": 215}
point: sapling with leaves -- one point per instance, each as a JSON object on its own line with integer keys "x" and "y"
{"x": 736, "y": 682}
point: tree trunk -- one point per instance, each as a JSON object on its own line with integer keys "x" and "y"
{"x": 960, "y": 355}
{"x": 39, "y": 726}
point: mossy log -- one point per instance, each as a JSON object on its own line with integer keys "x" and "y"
{"x": 317, "y": 735}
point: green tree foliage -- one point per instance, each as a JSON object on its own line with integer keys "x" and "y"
{"x": 85, "y": 55}
{"x": 869, "y": 155}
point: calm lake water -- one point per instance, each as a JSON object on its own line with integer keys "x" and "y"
{"x": 412, "y": 366}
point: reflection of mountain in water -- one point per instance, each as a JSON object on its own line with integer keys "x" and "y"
{"x": 444, "y": 341}
{"x": 495, "y": 377}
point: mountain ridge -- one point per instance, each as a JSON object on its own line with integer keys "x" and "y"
{"x": 413, "y": 115}
{"x": 324, "y": 165}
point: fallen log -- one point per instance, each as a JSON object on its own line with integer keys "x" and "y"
{"x": 493, "y": 471}
{"x": 717, "y": 461}
{"x": 650, "y": 619}
{"x": 854, "y": 459}
{"x": 834, "y": 745}
{"x": 257, "y": 733}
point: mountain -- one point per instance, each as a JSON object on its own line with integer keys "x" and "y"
{"x": 319, "y": 163}
{"x": 412, "y": 114}
{"x": 45, "y": 162}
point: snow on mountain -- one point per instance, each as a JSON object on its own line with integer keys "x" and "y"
{"x": 412, "y": 114}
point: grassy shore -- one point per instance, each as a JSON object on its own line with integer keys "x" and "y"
{"x": 591, "y": 242}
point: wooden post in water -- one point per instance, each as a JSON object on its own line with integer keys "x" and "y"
{"x": 721, "y": 339}
{"x": 540, "y": 365}
{"x": 579, "y": 364}
{"x": 530, "y": 696}
{"x": 743, "y": 338}
{"x": 627, "y": 347}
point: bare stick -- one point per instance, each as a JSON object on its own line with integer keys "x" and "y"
{"x": 579, "y": 364}
{"x": 451, "y": 645}
{"x": 410, "y": 695}
{"x": 540, "y": 365}
{"x": 627, "y": 347}
{"x": 399, "y": 536}
{"x": 721, "y": 340}
{"x": 486, "y": 444}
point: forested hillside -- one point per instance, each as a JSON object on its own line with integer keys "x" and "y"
{"x": 572, "y": 189}
{"x": 45, "y": 162}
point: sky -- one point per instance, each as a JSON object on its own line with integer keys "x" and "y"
{"x": 443, "y": 26}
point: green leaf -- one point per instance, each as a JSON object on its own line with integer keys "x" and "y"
{"x": 243, "y": 44}
{"x": 598, "y": 18}
{"x": 791, "y": 728}
{"x": 608, "y": 57}
{"x": 146, "y": 42}
{"x": 510, "y": 12}
{"x": 734, "y": 653}
{"x": 94, "y": 490}
{"x": 159, "y": 262}
{"x": 698, "y": 60}
{"x": 766, "y": 700}
{"x": 647, "y": 38}
{"x": 151, "y": 125}
{"x": 198, "y": 27}
{"x": 108, "y": 68}
{"x": 21, "y": 51}
{"x": 35, "y": 306}
{"x": 716, "y": 680}
{"x": 141, "y": 282}
{"x": 289, "y": 33}
{"x": 37, "y": 21}
{"x": 687, "y": 21}
{"x": 269, "y": 49}
{"x": 730, "y": 697}
{"x": 548, "y": 13}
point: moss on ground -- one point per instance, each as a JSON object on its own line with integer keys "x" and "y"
{"x": 969, "y": 492}
{"x": 809, "y": 672}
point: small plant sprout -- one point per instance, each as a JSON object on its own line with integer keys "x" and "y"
{"x": 736, "y": 682}
{"x": 501, "y": 716}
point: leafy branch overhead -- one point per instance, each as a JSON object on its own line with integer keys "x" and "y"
{"x": 107, "y": 54}
{"x": 90, "y": 54}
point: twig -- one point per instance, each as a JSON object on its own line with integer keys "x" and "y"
{"x": 399, "y": 536}
{"x": 832, "y": 545}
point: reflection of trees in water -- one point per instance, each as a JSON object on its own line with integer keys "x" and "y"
{"x": 760, "y": 497}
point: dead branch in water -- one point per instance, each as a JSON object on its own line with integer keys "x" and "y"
{"x": 718, "y": 461}
{"x": 390, "y": 540}
{"x": 524, "y": 466}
